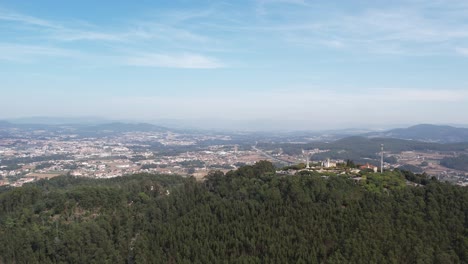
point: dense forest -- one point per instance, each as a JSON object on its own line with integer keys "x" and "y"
{"x": 250, "y": 215}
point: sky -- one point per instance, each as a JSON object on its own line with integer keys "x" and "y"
{"x": 296, "y": 63}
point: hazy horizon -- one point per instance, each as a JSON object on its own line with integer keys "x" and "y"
{"x": 253, "y": 125}
{"x": 250, "y": 63}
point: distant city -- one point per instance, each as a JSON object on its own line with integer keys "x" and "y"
{"x": 29, "y": 152}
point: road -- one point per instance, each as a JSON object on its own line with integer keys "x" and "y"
{"x": 271, "y": 157}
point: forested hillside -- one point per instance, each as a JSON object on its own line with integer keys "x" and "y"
{"x": 246, "y": 216}
{"x": 458, "y": 163}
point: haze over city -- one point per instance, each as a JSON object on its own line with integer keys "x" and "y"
{"x": 306, "y": 63}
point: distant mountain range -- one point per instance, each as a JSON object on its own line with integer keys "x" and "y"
{"x": 89, "y": 126}
{"x": 124, "y": 127}
{"x": 85, "y": 129}
{"x": 425, "y": 132}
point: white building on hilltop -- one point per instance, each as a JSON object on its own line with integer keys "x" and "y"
{"x": 328, "y": 164}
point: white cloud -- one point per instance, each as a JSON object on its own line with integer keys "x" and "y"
{"x": 189, "y": 61}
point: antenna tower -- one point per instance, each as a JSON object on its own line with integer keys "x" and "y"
{"x": 381, "y": 158}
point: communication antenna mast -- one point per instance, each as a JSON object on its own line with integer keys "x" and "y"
{"x": 381, "y": 158}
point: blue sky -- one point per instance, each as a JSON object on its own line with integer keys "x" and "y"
{"x": 315, "y": 64}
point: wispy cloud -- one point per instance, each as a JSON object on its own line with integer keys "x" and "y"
{"x": 416, "y": 29}
{"x": 25, "y": 19}
{"x": 175, "y": 44}
{"x": 186, "y": 61}
{"x": 421, "y": 28}
{"x": 293, "y": 2}
{"x": 263, "y": 6}
{"x": 77, "y": 35}
{"x": 33, "y": 53}
{"x": 38, "y": 53}
{"x": 139, "y": 30}
{"x": 56, "y": 31}
{"x": 146, "y": 30}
